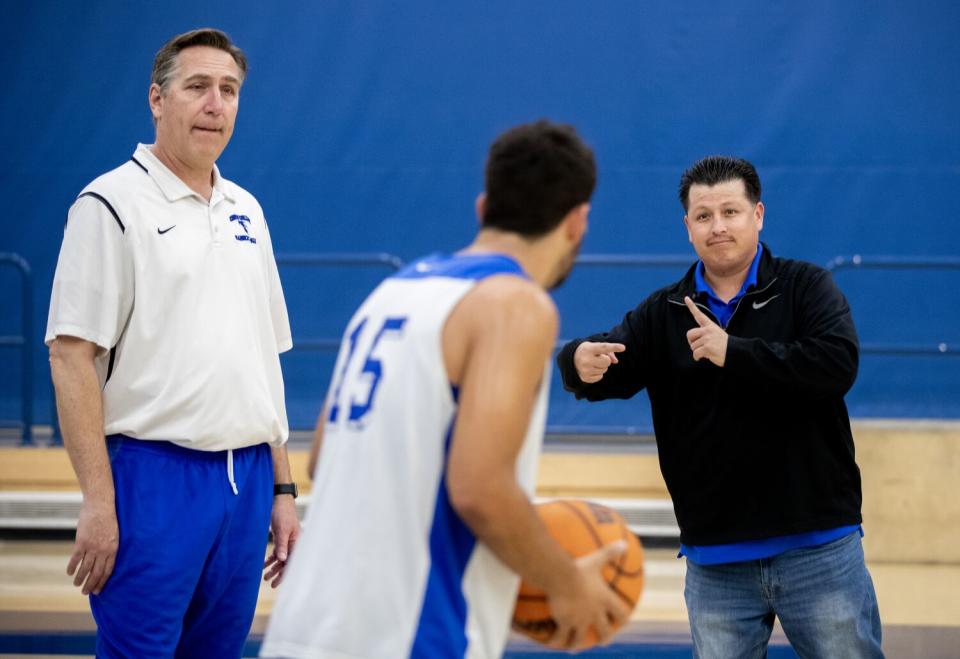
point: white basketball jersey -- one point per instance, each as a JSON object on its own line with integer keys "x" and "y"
{"x": 385, "y": 568}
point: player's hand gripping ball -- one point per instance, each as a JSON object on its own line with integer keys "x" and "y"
{"x": 581, "y": 527}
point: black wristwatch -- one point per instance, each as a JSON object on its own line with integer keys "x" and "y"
{"x": 285, "y": 488}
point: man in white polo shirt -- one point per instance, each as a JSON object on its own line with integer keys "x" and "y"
{"x": 165, "y": 327}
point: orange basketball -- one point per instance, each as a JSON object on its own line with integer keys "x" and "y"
{"x": 581, "y": 527}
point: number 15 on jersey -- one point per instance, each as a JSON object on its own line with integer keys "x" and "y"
{"x": 372, "y": 370}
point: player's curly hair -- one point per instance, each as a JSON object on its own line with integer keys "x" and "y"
{"x": 536, "y": 173}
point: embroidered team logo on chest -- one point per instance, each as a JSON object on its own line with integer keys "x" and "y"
{"x": 243, "y": 221}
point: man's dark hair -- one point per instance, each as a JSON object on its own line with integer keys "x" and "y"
{"x": 720, "y": 169}
{"x": 537, "y": 173}
{"x": 164, "y": 64}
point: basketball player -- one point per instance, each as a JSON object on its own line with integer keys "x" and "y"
{"x": 747, "y": 360}
{"x": 421, "y": 520}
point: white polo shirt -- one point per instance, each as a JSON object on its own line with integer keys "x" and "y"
{"x": 184, "y": 300}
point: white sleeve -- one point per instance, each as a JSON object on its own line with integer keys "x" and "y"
{"x": 278, "y": 305}
{"x": 93, "y": 286}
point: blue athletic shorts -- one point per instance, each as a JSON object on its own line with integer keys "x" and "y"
{"x": 191, "y": 551}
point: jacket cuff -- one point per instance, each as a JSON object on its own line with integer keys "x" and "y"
{"x": 738, "y": 350}
{"x": 568, "y": 372}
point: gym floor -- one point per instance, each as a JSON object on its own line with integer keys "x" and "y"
{"x": 42, "y": 614}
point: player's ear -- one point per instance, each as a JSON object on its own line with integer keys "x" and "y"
{"x": 758, "y": 215}
{"x": 480, "y": 206}
{"x": 576, "y": 222}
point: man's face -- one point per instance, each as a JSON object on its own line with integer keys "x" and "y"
{"x": 723, "y": 226}
{"x": 195, "y": 115}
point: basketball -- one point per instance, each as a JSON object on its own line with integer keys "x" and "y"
{"x": 581, "y": 527}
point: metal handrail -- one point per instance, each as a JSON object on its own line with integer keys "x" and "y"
{"x": 653, "y": 261}
{"x": 894, "y": 262}
{"x": 358, "y": 259}
{"x": 859, "y": 261}
{"x": 941, "y": 348}
{"x": 636, "y": 260}
{"x": 351, "y": 259}
{"x": 394, "y": 262}
{"x": 382, "y": 258}
{"x": 911, "y": 349}
{"x": 24, "y": 342}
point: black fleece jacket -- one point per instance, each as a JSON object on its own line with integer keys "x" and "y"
{"x": 762, "y": 446}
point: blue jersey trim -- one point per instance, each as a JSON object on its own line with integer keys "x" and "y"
{"x": 442, "y": 629}
{"x": 766, "y": 548}
{"x": 461, "y": 266}
{"x": 724, "y": 310}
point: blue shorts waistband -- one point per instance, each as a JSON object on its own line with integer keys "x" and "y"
{"x": 160, "y": 446}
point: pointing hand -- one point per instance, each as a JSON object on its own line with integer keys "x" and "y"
{"x": 708, "y": 341}
{"x": 593, "y": 359}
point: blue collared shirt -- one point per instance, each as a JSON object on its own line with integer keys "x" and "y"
{"x": 757, "y": 549}
{"x": 724, "y": 310}
{"x": 767, "y": 547}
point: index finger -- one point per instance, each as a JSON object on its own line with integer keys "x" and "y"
{"x": 698, "y": 315}
{"x": 603, "y": 348}
{"x": 74, "y": 561}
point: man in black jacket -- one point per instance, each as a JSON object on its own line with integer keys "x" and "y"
{"x": 746, "y": 361}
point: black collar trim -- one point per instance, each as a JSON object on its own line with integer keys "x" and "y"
{"x": 139, "y": 164}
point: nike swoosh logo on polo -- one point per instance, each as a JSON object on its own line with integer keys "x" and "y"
{"x": 163, "y": 231}
{"x": 761, "y": 305}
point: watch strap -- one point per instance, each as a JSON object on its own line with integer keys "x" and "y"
{"x": 285, "y": 488}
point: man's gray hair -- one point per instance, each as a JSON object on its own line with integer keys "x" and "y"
{"x": 165, "y": 62}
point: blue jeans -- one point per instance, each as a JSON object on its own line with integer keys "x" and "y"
{"x": 822, "y": 595}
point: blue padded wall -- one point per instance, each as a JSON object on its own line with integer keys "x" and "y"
{"x": 363, "y": 127}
